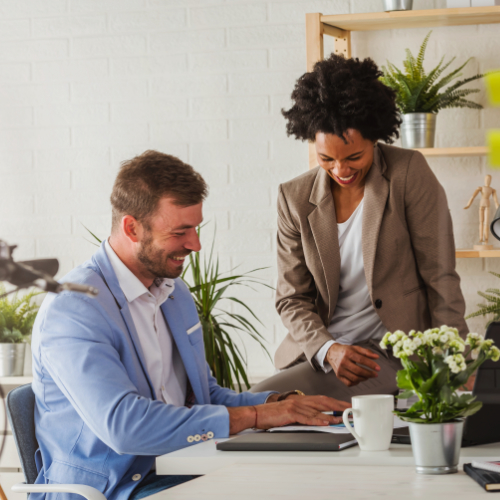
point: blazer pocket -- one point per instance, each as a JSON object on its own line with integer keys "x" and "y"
{"x": 194, "y": 328}
{"x": 63, "y": 473}
{"x": 413, "y": 290}
{"x": 195, "y": 333}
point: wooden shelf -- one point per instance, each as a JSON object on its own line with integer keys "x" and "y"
{"x": 16, "y": 380}
{"x": 469, "y": 253}
{"x": 462, "y": 151}
{"x": 374, "y": 21}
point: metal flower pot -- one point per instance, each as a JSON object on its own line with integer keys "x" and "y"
{"x": 397, "y": 5}
{"x": 418, "y": 130}
{"x": 436, "y": 447}
{"x": 12, "y": 360}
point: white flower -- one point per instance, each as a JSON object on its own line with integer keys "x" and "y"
{"x": 474, "y": 340}
{"x": 443, "y": 339}
{"x": 457, "y": 345}
{"x": 456, "y": 362}
{"x": 475, "y": 353}
{"x": 494, "y": 353}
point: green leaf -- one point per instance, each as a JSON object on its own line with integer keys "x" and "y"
{"x": 403, "y": 380}
{"x": 405, "y": 394}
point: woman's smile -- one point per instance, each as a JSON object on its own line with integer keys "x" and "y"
{"x": 345, "y": 180}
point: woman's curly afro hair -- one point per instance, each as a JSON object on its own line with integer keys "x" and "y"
{"x": 340, "y": 94}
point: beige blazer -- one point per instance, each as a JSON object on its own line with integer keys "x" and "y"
{"x": 408, "y": 253}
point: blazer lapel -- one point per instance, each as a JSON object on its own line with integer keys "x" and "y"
{"x": 323, "y": 222}
{"x": 111, "y": 281}
{"x": 375, "y": 199}
{"x": 178, "y": 330}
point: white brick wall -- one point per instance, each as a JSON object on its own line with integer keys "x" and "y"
{"x": 86, "y": 84}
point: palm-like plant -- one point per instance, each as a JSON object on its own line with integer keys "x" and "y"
{"x": 418, "y": 92}
{"x": 17, "y": 315}
{"x": 492, "y": 295}
{"x": 226, "y": 360}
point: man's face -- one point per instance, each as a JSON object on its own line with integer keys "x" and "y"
{"x": 167, "y": 238}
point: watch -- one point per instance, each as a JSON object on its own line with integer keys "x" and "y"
{"x": 284, "y": 395}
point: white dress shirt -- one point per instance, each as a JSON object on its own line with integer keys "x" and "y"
{"x": 355, "y": 318}
{"x": 163, "y": 362}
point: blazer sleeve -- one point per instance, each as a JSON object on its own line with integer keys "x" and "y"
{"x": 431, "y": 231}
{"x": 296, "y": 290}
{"x": 77, "y": 349}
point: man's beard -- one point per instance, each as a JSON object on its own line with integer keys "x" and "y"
{"x": 155, "y": 260}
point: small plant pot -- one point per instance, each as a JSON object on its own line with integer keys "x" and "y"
{"x": 418, "y": 130}
{"x": 436, "y": 447}
{"x": 390, "y": 5}
{"x": 12, "y": 360}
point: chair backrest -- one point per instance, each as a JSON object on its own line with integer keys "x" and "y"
{"x": 21, "y": 413}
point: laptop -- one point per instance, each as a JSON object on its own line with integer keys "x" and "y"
{"x": 482, "y": 427}
{"x": 288, "y": 441}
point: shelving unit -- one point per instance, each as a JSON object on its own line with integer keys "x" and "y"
{"x": 11, "y": 381}
{"x": 341, "y": 26}
{"x": 471, "y": 254}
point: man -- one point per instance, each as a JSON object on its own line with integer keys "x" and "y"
{"x": 122, "y": 378}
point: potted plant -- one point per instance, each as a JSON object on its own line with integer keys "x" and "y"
{"x": 421, "y": 96}
{"x": 435, "y": 365}
{"x": 17, "y": 315}
{"x": 492, "y": 295}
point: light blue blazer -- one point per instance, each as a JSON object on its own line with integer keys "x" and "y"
{"x": 97, "y": 418}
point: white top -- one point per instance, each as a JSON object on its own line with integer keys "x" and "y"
{"x": 163, "y": 362}
{"x": 355, "y": 318}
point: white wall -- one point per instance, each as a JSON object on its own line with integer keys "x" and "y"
{"x": 86, "y": 84}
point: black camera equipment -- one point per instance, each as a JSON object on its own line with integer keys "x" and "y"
{"x": 39, "y": 273}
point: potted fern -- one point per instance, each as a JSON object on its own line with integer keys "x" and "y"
{"x": 420, "y": 96}
{"x": 492, "y": 295}
{"x": 17, "y": 315}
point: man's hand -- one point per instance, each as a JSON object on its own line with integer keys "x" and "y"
{"x": 305, "y": 410}
{"x": 345, "y": 361}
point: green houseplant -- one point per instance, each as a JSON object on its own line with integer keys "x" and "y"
{"x": 209, "y": 288}
{"x": 420, "y": 95}
{"x": 492, "y": 295}
{"x": 17, "y": 315}
{"x": 435, "y": 365}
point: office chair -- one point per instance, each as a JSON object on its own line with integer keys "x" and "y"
{"x": 21, "y": 413}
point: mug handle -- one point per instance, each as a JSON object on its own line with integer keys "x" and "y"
{"x": 349, "y": 427}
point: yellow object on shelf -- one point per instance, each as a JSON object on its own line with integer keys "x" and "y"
{"x": 492, "y": 79}
{"x": 493, "y": 141}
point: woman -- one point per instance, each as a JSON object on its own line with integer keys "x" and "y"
{"x": 365, "y": 240}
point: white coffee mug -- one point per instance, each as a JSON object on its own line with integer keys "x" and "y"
{"x": 373, "y": 421}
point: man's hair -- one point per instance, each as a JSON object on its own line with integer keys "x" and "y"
{"x": 145, "y": 179}
{"x": 339, "y": 94}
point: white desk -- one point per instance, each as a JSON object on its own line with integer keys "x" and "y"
{"x": 203, "y": 458}
{"x": 323, "y": 482}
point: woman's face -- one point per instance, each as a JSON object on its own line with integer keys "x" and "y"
{"x": 347, "y": 164}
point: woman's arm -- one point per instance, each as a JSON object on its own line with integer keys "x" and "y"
{"x": 431, "y": 231}
{"x": 296, "y": 292}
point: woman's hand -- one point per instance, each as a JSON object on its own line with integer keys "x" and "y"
{"x": 305, "y": 410}
{"x": 345, "y": 361}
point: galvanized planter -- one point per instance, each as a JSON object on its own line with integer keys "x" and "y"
{"x": 12, "y": 359}
{"x": 436, "y": 447}
{"x": 390, "y": 5}
{"x": 418, "y": 130}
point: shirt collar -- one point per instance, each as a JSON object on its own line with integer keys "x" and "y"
{"x": 131, "y": 285}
